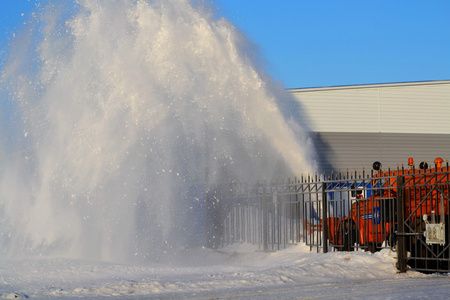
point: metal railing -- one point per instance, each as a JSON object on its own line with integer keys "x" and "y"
{"x": 341, "y": 211}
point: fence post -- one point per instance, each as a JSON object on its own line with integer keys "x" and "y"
{"x": 401, "y": 246}
{"x": 218, "y": 222}
{"x": 265, "y": 220}
{"x": 324, "y": 218}
{"x": 208, "y": 219}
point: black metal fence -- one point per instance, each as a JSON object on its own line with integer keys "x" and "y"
{"x": 338, "y": 212}
{"x": 423, "y": 231}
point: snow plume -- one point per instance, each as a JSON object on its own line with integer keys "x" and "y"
{"x": 115, "y": 114}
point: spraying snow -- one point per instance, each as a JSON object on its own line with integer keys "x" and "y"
{"x": 115, "y": 113}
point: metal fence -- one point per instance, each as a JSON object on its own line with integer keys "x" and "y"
{"x": 423, "y": 231}
{"x": 342, "y": 211}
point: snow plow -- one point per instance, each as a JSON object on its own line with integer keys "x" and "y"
{"x": 407, "y": 209}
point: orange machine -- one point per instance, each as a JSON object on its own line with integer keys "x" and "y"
{"x": 372, "y": 221}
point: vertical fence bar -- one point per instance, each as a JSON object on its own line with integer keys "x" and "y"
{"x": 265, "y": 223}
{"x": 208, "y": 221}
{"x": 401, "y": 249}
{"x": 324, "y": 218}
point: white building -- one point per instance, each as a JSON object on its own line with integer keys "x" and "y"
{"x": 353, "y": 126}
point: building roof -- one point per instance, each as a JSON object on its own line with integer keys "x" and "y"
{"x": 368, "y": 86}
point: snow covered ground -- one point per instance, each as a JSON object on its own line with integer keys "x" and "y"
{"x": 239, "y": 272}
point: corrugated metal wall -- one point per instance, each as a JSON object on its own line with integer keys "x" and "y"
{"x": 353, "y": 126}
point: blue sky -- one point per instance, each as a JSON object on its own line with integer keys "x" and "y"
{"x": 313, "y": 43}
{"x": 12, "y": 14}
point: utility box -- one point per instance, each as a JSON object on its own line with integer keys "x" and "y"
{"x": 435, "y": 233}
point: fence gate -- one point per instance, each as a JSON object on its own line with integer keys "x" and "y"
{"x": 423, "y": 225}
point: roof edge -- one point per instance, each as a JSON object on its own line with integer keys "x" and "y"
{"x": 368, "y": 86}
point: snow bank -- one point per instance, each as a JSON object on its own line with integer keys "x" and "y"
{"x": 236, "y": 271}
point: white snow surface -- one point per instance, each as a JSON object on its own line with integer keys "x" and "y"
{"x": 237, "y": 272}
